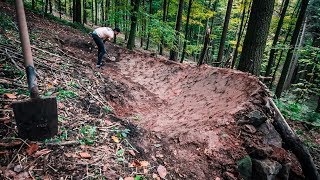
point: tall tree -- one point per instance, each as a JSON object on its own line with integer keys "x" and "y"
{"x": 224, "y": 32}
{"x": 276, "y": 38}
{"x": 77, "y": 11}
{"x": 173, "y": 52}
{"x": 295, "y": 58}
{"x": 150, "y": 12}
{"x": 294, "y": 38}
{"x": 256, "y": 36}
{"x": 205, "y": 46}
{"x": 135, "y": 4}
{"x": 186, "y": 32}
{"x": 163, "y": 20}
{"x": 235, "y": 53}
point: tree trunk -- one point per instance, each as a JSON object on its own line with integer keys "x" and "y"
{"x": 224, "y": 32}
{"x": 115, "y": 19}
{"x": 174, "y": 53}
{"x": 150, "y": 12}
{"x": 85, "y": 12}
{"x": 46, "y": 7}
{"x": 50, "y": 6}
{"x": 205, "y": 45}
{"x": 59, "y": 4}
{"x": 33, "y": 5}
{"x": 294, "y": 38}
{"x": 92, "y": 11}
{"x": 186, "y": 32}
{"x": 275, "y": 39}
{"x": 256, "y": 36}
{"x": 95, "y": 12}
{"x": 164, "y": 20}
{"x": 293, "y": 143}
{"x": 235, "y": 53}
{"x": 107, "y": 11}
{"x": 77, "y": 11}
{"x": 132, "y": 35}
{"x": 143, "y": 25}
{"x": 294, "y": 63}
{"x": 294, "y": 14}
{"x": 102, "y": 13}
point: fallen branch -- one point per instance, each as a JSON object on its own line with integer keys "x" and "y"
{"x": 293, "y": 143}
{"x": 65, "y": 143}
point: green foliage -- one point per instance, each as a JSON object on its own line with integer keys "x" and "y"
{"x": 6, "y": 22}
{"x": 64, "y": 94}
{"x": 108, "y": 109}
{"x": 88, "y": 135}
{"x": 296, "y": 110}
{"x": 120, "y": 133}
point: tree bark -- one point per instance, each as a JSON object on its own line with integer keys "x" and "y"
{"x": 77, "y": 11}
{"x": 275, "y": 39}
{"x": 294, "y": 38}
{"x": 235, "y": 53}
{"x": 85, "y": 12}
{"x": 294, "y": 63}
{"x": 59, "y": 4}
{"x": 174, "y": 53}
{"x": 256, "y": 36}
{"x": 143, "y": 25}
{"x": 150, "y": 12}
{"x": 205, "y": 46}
{"x": 33, "y": 5}
{"x": 95, "y": 12}
{"x": 132, "y": 35}
{"x": 186, "y": 32}
{"x": 163, "y": 20}
{"x": 294, "y": 14}
{"x": 224, "y": 32}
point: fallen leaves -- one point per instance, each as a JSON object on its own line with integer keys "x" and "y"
{"x": 162, "y": 171}
{"x": 115, "y": 139}
{"x": 85, "y": 155}
{"x": 42, "y": 152}
{"x": 32, "y": 148}
{"x": 10, "y": 96}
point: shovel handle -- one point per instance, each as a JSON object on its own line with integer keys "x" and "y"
{"x": 26, "y": 49}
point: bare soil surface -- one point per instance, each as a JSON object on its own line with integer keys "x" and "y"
{"x": 184, "y": 118}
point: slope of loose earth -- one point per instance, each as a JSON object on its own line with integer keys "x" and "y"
{"x": 196, "y": 122}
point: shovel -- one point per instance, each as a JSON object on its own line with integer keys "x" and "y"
{"x": 37, "y": 118}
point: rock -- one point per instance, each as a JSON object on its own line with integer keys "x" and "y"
{"x": 18, "y": 168}
{"x": 249, "y": 128}
{"x": 271, "y": 136}
{"x": 265, "y": 169}
{"x": 284, "y": 172}
{"x": 260, "y": 152}
{"x": 257, "y": 118}
{"x": 245, "y": 167}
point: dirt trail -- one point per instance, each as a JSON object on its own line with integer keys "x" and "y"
{"x": 184, "y": 117}
{"x": 191, "y": 108}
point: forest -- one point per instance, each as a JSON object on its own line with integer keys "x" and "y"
{"x": 283, "y": 49}
{"x": 177, "y": 63}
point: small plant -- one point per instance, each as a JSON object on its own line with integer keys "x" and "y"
{"x": 121, "y": 133}
{"x": 88, "y": 135}
{"x": 107, "y": 109}
{"x": 64, "y": 94}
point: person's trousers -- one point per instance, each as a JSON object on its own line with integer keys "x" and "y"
{"x": 101, "y": 49}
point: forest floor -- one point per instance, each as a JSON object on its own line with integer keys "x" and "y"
{"x": 139, "y": 116}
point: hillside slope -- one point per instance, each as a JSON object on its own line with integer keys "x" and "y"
{"x": 195, "y": 122}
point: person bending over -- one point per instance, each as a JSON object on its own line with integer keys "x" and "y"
{"x": 100, "y": 36}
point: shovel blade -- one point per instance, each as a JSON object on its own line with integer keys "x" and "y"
{"x": 37, "y": 119}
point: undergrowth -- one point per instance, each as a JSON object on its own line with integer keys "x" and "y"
{"x": 297, "y": 110}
